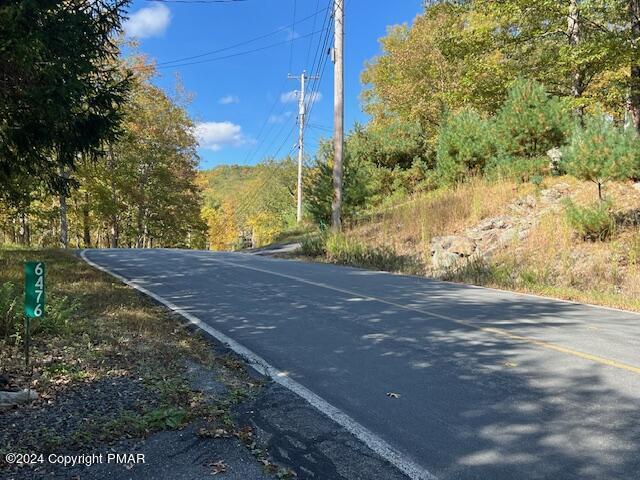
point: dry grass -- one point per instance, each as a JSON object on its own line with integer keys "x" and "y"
{"x": 554, "y": 261}
{"x": 113, "y": 323}
{"x": 408, "y": 228}
{"x": 551, "y": 261}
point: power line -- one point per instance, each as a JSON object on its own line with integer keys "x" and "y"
{"x": 321, "y": 47}
{"x": 292, "y": 33}
{"x": 196, "y": 1}
{"x": 245, "y": 42}
{"x": 251, "y": 201}
{"x": 312, "y": 28}
{"x": 264, "y": 124}
{"x": 270, "y": 175}
{"x": 238, "y": 54}
{"x": 280, "y": 112}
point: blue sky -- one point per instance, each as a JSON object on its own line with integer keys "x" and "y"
{"x": 243, "y": 104}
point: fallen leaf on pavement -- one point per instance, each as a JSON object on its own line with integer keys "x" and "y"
{"x": 218, "y": 467}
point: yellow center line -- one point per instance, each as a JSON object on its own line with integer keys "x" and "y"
{"x": 492, "y": 330}
{"x": 568, "y": 351}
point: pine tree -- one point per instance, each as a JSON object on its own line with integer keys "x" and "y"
{"x": 531, "y": 122}
{"x": 600, "y": 152}
{"x": 465, "y": 145}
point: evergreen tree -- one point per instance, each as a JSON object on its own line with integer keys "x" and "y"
{"x": 530, "y": 122}
{"x": 465, "y": 146}
{"x": 600, "y": 152}
{"x": 61, "y": 88}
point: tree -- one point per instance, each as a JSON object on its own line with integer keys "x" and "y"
{"x": 145, "y": 186}
{"x": 600, "y": 152}
{"x": 61, "y": 88}
{"x": 634, "y": 74}
{"x": 530, "y": 122}
{"x": 466, "y": 143}
{"x": 445, "y": 61}
{"x": 319, "y": 186}
{"x": 569, "y": 45}
{"x": 252, "y": 202}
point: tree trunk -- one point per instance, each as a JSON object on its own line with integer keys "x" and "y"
{"x": 573, "y": 33}
{"x": 140, "y": 229}
{"x": 64, "y": 223}
{"x": 25, "y": 233}
{"x": 14, "y": 236}
{"x": 634, "y": 81}
{"x": 64, "y": 226}
{"x": 114, "y": 236}
{"x": 86, "y": 225}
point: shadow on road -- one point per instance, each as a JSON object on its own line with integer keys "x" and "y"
{"x": 471, "y": 404}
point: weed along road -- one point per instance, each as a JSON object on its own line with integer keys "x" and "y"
{"x": 445, "y": 381}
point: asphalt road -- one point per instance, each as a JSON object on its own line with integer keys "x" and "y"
{"x": 492, "y": 385}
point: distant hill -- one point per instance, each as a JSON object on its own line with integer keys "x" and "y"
{"x": 248, "y": 203}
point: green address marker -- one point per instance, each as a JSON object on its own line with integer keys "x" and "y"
{"x": 34, "y": 288}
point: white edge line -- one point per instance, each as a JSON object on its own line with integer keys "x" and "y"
{"x": 370, "y": 439}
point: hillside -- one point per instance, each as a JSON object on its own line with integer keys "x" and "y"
{"x": 247, "y": 205}
{"x": 504, "y": 235}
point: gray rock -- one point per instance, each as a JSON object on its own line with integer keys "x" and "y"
{"x": 485, "y": 238}
{"x": 449, "y": 250}
{"x": 555, "y": 158}
{"x": 459, "y": 245}
{"x": 443, "y": 260}
{"x": 12, "y": 399}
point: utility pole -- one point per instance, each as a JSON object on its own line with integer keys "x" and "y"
{"x": 302, "y": 112}
{"x": 338, "y": 114}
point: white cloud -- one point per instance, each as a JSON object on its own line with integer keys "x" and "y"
{"x": 291, "y": 97}
{"x": 280, "y": 118}
{"x": 215, "y": 135}
{"x": 229, "y": 99}
{"x": 292, "y": 34}
{"x": 148, "y": 22}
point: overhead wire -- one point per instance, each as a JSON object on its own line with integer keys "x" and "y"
{"x": 251, "y": 40}
{"x": 281, "y": 111}
{"x": 196, "y": 1}
{"x": 238, "y": 54}
{"x": 292, "y": 33}
{"x": 322, "y": 45}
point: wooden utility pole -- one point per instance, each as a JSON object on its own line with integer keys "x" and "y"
{"x": 302, "y": 113}
{"x": 338, "y": 114}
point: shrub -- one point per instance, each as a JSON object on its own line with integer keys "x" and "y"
{"x": 465, "y": 145}
{"x": 593, "y": 222}
{"x": 531, "y": 122}
{"x": 519, "y": 169}
{"x": 600, "y": 152}
{"x": 10, "y": 316}
{"x": 313, "y": 245}
{"x": 344, "y": 250}
{"x": 59, "y": 312}
{"x": 319, "y": 185}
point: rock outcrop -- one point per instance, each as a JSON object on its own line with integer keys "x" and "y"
{"x": 481, "y": 240}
